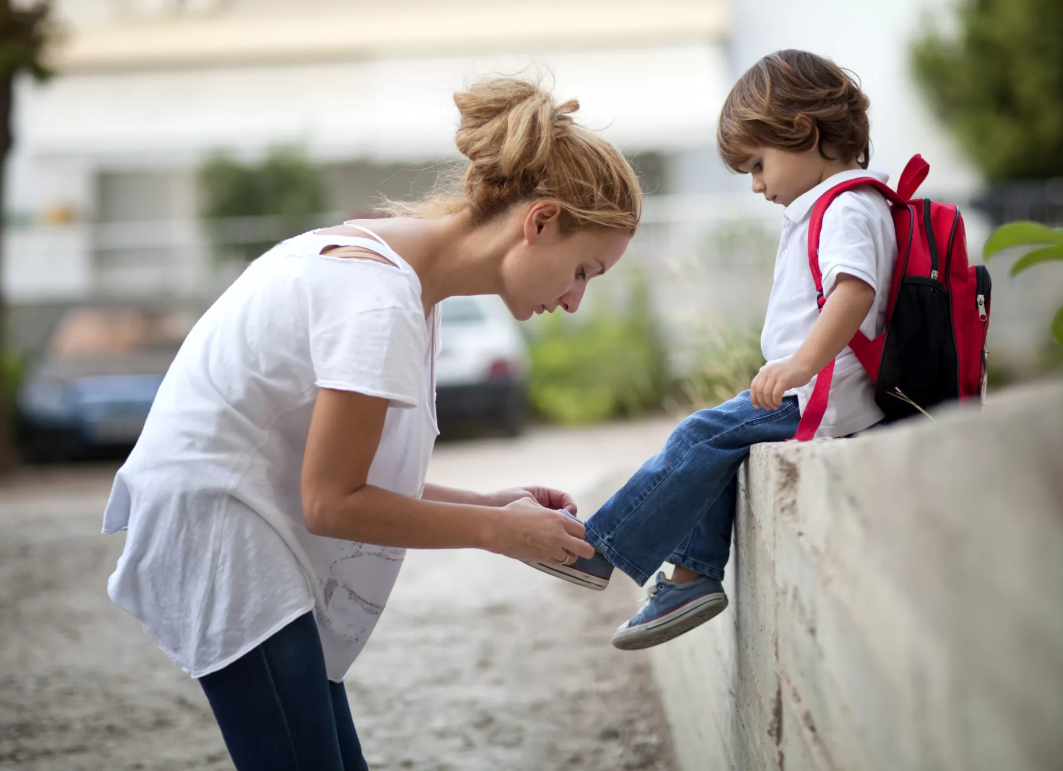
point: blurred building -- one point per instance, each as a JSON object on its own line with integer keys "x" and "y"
{"x": 106, "y": 162}
{"x": 103, "y": 196}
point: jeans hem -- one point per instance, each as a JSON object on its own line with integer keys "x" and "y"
{"x": 701, "y": 568}
{"x": 618, "y": 560}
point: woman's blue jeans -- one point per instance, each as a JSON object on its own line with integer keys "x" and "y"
{"x": 679, "y": 507}
{"x": 278, "y": 710}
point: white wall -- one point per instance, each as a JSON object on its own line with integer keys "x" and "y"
{"x": 42, "y": 265}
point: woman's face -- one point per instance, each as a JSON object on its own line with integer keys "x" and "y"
{"x": 548, "y": 270}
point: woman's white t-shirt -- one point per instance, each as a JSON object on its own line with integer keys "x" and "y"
{"x": 859, "y": 239}
{"x": 217, "y": 556}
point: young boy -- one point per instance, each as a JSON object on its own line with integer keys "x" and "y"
{"x": 797, "y": 124}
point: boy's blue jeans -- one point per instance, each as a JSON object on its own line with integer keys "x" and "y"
{"x": 679, "y": 507}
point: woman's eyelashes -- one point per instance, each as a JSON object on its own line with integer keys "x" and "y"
{"x": 582, "y": 274}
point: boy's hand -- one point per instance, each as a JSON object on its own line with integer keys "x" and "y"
{"x": 767, "y": 389}
{"x": 845, "y": 309}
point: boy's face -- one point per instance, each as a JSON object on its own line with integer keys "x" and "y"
{"x": 782, "y": 176}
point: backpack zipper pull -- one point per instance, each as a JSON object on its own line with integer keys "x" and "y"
{"x": 982, "y": 315}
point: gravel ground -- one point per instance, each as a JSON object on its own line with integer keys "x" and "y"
{"x": 479, "y": 662}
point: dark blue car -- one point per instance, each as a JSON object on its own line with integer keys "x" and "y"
{"x": 96, "y": 378}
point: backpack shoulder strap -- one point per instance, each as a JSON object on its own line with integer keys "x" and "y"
{"x": 912, "y": 176}
{"x": 819, "y": 210}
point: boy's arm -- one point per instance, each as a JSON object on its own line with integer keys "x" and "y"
{"x": 843, "y": 313}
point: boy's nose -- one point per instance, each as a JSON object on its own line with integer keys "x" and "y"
{"x": 758, "y": 186}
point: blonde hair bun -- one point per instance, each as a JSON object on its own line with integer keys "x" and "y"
{"x": 507, "y": 127}
{"x": 522, "y": 146}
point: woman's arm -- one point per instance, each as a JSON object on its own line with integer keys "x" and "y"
{"x": 444, "y": 494}
{"x": 545, "y": 496}
{"x": 339, "y": 503}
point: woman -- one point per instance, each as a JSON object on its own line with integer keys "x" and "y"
{"x": 281, "y": 473}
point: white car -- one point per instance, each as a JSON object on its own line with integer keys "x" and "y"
{"x": 482, "y": 369}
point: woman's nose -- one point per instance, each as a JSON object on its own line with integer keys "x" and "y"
{"x": 570, "y": 300}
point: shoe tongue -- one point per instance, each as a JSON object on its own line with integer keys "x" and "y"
{"x": 663, "y": 579}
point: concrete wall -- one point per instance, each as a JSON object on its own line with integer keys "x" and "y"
{"x": 896, "y": 603}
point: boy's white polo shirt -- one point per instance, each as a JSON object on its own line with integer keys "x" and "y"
{"x": 858, "y": 239}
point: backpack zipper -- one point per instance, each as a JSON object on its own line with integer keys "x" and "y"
{"x": 983, "y": 286}
{"x": 930, "y": 239}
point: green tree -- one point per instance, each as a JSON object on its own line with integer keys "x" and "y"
{"x": 285, "y": 186}
{"x": 25, "y": 33}
{"x": 998, "y": 85}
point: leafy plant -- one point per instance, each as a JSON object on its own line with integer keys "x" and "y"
{"x": 726, "y": 364}
{"x": 11, "y": 373}
{"x": 998, "y": 84}
{"x": 1049, "y": 243}
{"x": 284, "y": 186}
{"x": 614, "y": 365}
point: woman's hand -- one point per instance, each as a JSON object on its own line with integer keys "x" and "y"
{"x": 534, "y": 533}
{"x": 545, "y": 496}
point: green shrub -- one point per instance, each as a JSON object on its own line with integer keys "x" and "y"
{"x": 611, "y": 366}
{"x": 285, "y": 186}
{"x": 725, "y": 364}
{"x": 11, "y": 378}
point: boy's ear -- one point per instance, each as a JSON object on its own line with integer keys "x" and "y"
{"x": 806, "y": 125}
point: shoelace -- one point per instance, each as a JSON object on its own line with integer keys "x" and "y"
{"x": 652, "y": 591}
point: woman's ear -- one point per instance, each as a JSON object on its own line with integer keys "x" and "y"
{"x": 541, "y": 221}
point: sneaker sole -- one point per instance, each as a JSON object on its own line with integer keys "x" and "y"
{"x": 573, "y": 576}
{"x": 671, "y": 625}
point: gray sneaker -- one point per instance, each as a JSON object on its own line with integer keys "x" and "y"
{"x": 593, "y": 573}
{"x": 670, "y": 610}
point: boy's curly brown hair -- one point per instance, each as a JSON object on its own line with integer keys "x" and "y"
{"x": 795, "y": 100}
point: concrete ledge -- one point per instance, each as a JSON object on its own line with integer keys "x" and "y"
{"x": 896, "y": 603}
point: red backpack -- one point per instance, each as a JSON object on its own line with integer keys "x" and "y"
{"x": 934, "y": 346}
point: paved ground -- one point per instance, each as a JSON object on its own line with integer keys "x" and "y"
{"x": 479, "y": 662}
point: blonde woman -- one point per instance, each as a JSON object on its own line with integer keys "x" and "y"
{"x": 281, "y": 473}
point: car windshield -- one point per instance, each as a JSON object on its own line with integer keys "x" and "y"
{"x": 461, "y": 310}
{"x": 94, "y": 333}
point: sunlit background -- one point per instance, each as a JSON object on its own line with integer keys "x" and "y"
{"x": 176, "y": 140}
{"x": 179, "y": 139}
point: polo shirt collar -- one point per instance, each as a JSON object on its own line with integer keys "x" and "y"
{"x": 802, "y": 205}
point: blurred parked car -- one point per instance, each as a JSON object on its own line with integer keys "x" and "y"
{"x": 481, "y": 372}
{"x": 97, "y": 376}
